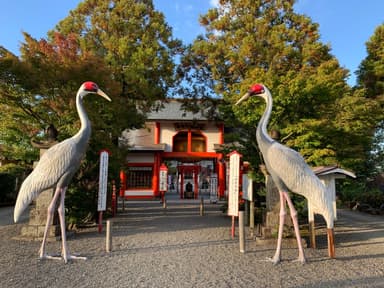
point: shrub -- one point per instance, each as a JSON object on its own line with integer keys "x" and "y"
{"x": 11, "y": 176}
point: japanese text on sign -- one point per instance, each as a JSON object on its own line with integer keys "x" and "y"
{"x": 103, "y": 180}
{"x": 233, "y": 196}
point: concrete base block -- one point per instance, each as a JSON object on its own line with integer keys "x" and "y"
{"x": 36, "y": 233}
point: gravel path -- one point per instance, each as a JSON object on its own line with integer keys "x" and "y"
{"x": 182, "y": 249}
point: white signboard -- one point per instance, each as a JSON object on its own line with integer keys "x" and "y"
{"x": 103, "y": 180}
{"x": 213, "y": 188}
{"x": 163, "y": 180}
{"x": 233, "y": 196}
{"x": 247, "y": 188}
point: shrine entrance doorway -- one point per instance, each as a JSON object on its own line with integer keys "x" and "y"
{"x": 189, "y": 181}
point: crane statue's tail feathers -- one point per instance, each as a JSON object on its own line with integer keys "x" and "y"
{"x": 323, "y": 205}
{"x": 329, "y": 213}
{"x": 26, "y": 194}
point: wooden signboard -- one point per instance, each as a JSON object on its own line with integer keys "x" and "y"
{"x": 233, "y": 195}
{"x": 163, "y": 178}
{"x": 103, "y": 181}
{"x": 247, "y": 188}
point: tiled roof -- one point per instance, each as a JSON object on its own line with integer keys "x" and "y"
{"x": 173, "y": 110}
{"x": 153, "y": 147}
{"x": 334, "y": 169}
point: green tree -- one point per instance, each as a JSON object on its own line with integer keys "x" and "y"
{"x": 267, "y": 42}
{"x": 16, "y": 128}
{"x": 136, "y": 45}
{"x": 133, "y": 39}
{"x": 370, "y": 85}
{"x": 125, "y": 47}
{"x": 370, "y": 74}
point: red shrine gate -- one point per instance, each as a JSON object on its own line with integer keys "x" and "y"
{"x": 187, "y": 143}
{"x": 187, "y": 179}
{"x": 189, "y": 185}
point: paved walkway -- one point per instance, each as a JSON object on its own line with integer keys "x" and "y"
{"x": 6, "y": 216}
{"x": 180, "y": 248}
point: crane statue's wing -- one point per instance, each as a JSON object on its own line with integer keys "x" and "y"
{"x": 291, "y": 168}
{"x": 57, "y": 161}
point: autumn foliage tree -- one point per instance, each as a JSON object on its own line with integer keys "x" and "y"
{"x": 124, "y": 46}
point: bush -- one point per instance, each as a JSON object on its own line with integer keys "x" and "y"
{"x": 7, "y": 188}
{"x": 373, "y": 197}
{"x": 351, "y": 194}
{"x": 11, "y": 176}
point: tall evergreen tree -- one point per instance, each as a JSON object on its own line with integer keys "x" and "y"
{"x": 267, "y": 42}
{"x": 370, "y": 85}
{"x": 370, "y": 74}
{"x": 133, "y": 39}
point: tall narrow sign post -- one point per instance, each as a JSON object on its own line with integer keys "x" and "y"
{"x": 163, "y": 187}
{"x": 233, "y": 195}
{"x": 247, "y": 186}
{"x": 213, "y": 188}
{"x": 103, "y": 181}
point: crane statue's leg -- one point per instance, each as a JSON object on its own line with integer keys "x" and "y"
{"x": 61, "y": 210}
{"x": 293, "y": 212}
{"x": 51, "y": 210}
{"x": 277, "y": 257}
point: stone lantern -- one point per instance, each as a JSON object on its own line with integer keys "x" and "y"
{"x": 38, "y": 212}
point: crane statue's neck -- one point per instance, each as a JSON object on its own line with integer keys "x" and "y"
{"x": 85, "y": 129}
{"x": 261, "y": 132}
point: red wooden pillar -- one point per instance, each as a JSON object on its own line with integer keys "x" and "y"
{"x": 221, "y": 130}
{"x": 182, "y": 183}
{"x": 189, "y": 148}
{"x": 221, "y": 176}
{"x": 157, "y": 133}
{"x": 155, "y": 175}
{"x": 221, "y": 166}
{"x": 195, "y": 175}
{"x": 123, "y": 183}
{"x": 156, "y": 163}
{"x": 114, "y": 200}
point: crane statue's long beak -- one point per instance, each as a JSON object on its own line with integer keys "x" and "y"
{"x": 102, "y": 94}
{"x": 245, "y": 97}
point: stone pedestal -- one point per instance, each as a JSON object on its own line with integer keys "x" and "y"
{"x": 34, "y": 230}
{"x": 272, "y": 217}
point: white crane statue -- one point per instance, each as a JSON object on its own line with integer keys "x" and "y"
{"x": 290, "y": 173}
{"x": 56, "y": 169}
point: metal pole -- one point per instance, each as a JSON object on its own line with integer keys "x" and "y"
{"x": 241, "y": 232}
{"x": 108, "y": 242}
{"x": 202, "y": 206}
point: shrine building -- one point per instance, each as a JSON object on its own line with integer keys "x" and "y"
{"x": 183, "y": 143}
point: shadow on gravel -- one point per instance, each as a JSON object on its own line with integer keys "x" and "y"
{"x": 372, "y": 282}
{"x": 359, "y": 257}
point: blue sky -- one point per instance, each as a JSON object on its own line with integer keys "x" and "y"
{"x": 344, "y": 24}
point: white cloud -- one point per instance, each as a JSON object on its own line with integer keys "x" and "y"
{"x": 188, "y": 8}
{"x": 214, "y": 3}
